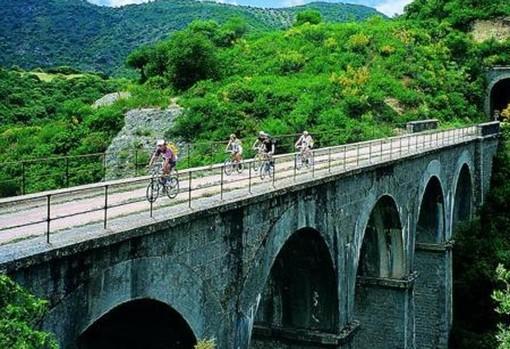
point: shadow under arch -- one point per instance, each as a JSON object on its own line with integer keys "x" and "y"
{"x": 301, "y": 290}
{"x": 463, "y": 197}
{"x": 382, "y": 289}
{"x": 431, "y": 223}
{"x": 160, "y": 279}
{"x": 139, "y": 323}
{"x": 382, "y": 248}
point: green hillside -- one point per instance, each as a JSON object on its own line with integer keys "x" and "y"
{"x": 35, "y": 33}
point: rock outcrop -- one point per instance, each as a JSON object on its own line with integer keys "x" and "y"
{"x": 136, "y": 140}
{"x": 111, "y": 98}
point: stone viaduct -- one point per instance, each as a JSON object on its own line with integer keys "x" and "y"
{"x": 356, "y": 260}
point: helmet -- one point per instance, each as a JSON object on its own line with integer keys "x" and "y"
{"x": 305, "y": 133}
{"x": 262, "y": 134}
{"x": 160, "y": 142}
{"x": 233, "y": 136}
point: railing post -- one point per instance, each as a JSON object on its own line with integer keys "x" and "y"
{"x": 249, "y": 176}
{"x": 357, "y": 155}
{"x": 345, "y": 157}
{"x": 23, "y": 179}
{"x": 151, "y": 204}
{"x": 313, "y": 163}
{"x": 67, "y": 172}
{"x": 221, "y": 182}
{"x": 295, "y": 166}
{"x": 189, "y": 188}
{"x": 329, "y": 159}
{"x": 391, "y": 149}
{"x": 105, "y": 206}
{"x": 48, "y": 217}
{"x": 370, "y": 153}
{"x": 400, "y": 147}
{"x": 274, "y": 172}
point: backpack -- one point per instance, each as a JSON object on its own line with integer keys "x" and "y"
{"x": 174, "y": 148}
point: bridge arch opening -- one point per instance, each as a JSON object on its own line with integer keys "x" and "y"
{"x": 500, "y": 96}
{"x": 431, "y": 220}
{"x": 142, "y": 323}
{"x": 382, "y": 253}
{"x": 463, "y": 200}
{"x": 301, "y": 291}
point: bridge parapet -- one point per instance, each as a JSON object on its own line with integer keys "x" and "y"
{"x": 422, "y": 125}
{"x": 489, "y": 129}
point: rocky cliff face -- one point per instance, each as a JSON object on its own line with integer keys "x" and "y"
{"x": 136, "y": 141}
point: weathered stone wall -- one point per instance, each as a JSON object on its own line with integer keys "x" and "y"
{"x": 212, "y": 266}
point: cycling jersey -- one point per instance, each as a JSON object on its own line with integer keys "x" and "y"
{"x": 268, "y": 144}
{"x": 167, "y": 154}
{"x": 306, "y": 142}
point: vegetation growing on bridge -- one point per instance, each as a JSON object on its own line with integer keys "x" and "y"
{"x": 20, "y": 314}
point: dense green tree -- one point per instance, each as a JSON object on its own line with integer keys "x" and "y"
{"x": 308, "y": 16}
{"x": 20, "y": 314}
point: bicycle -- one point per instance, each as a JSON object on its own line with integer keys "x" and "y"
{"x": 159, "y": 184}
{"x": 304, "y": 158}
{"x": 267, "y": 167}
{"x": 230, "y": 165}
{"x": 259, "y": 158}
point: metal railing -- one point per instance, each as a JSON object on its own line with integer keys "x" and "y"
{"x": 202, "y": 187}
{"x": 94, "y": 167}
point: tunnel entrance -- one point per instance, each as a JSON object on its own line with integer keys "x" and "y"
{"x": 500, "y": 96}
{"x": 382, "y": 249}
{"x": 301, "y": 291}
{"x": 431, "y": 221}
{"x": 463, "y": 204}
{"x": 139, "y": 324}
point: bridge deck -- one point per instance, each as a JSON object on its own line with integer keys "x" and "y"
{"x": 67, "y": 216}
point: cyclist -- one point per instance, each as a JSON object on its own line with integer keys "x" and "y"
{"x": 267, "y": 146}
{"x": 169, "y": 158}
{"x": 305, "y": 145}
{"x": 235, "y": 148}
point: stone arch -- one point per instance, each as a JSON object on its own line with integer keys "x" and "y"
{"x": 299, "y": 216}
{"x": 431, "y": 222}
{"x": 381, "y": 250}
{"x": 464, "y": 161}
{"x": 160, "y": 279}
{"x": 462, "y": 208}
{"x": 139, "y": 323}
{"x": 301, "y": 291}
{"x": 500, "y": 82}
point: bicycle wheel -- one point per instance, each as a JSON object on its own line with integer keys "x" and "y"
{"x": 172, "y": 187}
{"x": 228, "y": 167}
{"x": 299, "y": 162}
{"x": 265, "y": 170}
{"x": 240, "y": 167}
{"x": 152, "y": 192}
{"x": 257, "y": 163}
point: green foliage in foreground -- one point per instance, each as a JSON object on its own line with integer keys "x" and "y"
{"x": 480, "y": 247}
{"x": 20, "y": 314}
{"x": 502, "y": 298}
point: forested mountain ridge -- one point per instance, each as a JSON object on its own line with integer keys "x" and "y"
{"x": 76, "y": 33}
